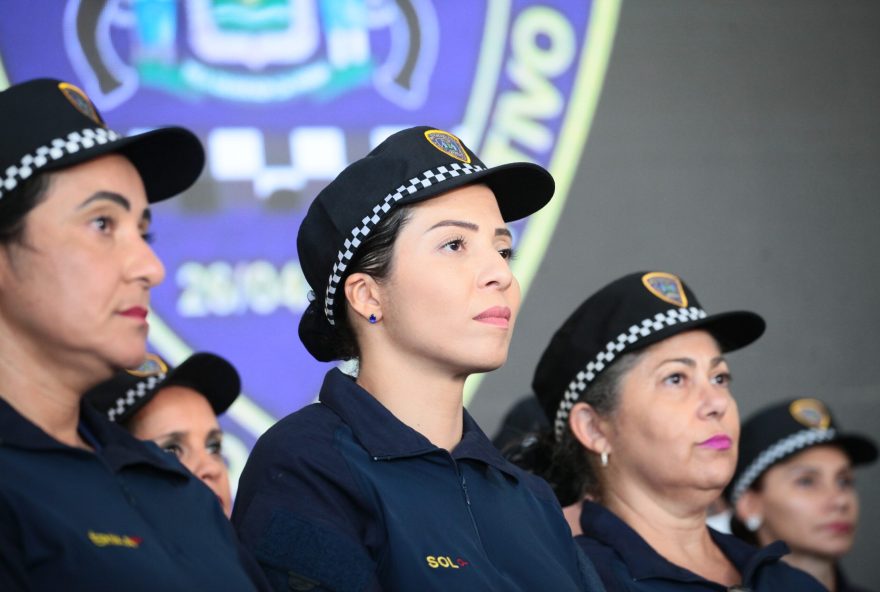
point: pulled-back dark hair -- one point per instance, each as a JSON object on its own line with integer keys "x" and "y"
{"x": 566, "y": 465}
{"x": 373, "y": 257}
{"x": 17, "y": 204}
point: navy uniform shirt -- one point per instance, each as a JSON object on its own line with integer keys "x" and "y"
{"x": 343, "y": 496}
{"x": 124, "y": 517}
{"x": 626, "y": 563}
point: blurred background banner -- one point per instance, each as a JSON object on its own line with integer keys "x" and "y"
{"x": 284, "y": 94}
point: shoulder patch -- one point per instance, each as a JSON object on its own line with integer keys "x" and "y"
{"x": 301, "y": 551}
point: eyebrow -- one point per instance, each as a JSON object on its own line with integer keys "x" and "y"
{"x": 691, "y": 362}
{"x": 468, "y": 226}
{"x": 118, "y": 199}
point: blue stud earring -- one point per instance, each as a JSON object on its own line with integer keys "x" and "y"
{"x": 372, "y": 319}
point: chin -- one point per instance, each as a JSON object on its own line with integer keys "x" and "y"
{"x": 129, "y": 358}
{"x": 490, "y": 362}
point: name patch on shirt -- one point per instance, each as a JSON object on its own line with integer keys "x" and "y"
{"x": 108, "y": 539}
{"x": 445, "y": 562}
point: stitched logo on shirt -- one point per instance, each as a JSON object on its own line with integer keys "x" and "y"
{"x": 445, "y": 562}
{"x": 108, "y": 539}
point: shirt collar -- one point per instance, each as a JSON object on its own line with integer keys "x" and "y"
{"x": 642, "y": 561}
{"x": 385, "y": 437}
{"x": 118, "y": 448}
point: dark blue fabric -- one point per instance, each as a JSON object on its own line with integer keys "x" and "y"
{"x": 412, "y": 516}
{"x": 126, "y": 517}
{"x": 626, "y": 563}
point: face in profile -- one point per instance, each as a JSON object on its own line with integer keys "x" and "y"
{"x": 79, "y": 282}
{"x": 451, "y": 300}
{"x": 809, "y": 501}
{"x": 676, "y": 427}
{"x": 181, "y": 421}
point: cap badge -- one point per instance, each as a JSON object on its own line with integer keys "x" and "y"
{"x": 152, "y": 366}
{"x": 811, "y": 413}
{"x": 666, "y": 287}
{"x": 448, "y": 144}
{"x": 79, "y": 100}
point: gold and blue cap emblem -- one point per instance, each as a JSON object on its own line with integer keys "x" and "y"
{"x": 666, "y": 287}
{"x": 448, "y": 144}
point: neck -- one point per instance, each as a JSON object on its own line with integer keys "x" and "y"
{"x": 821, "y": 568}
{"x": 675, "y": 529}
{"x": 39, "y": 392}
{"x": 422, "y": 396}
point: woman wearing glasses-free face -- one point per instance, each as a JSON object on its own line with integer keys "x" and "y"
{"x": 407, "y": 252}
{"x": 83, "y": 504}
{"x": 795, "y": 482}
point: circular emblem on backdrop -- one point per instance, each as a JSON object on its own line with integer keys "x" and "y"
{"x": 666, "y": 287}
{"x": 811, "y": 413}
{"x": 80, "y": 101}
{"x": 287, "y": 93}
{"x": 448, "y": 144}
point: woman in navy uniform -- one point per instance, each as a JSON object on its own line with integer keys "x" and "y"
{"x": 644, "y": 431}
{"x": 178, "y": 409}
{"x": 794, "y": 481}
{"x": 387, "y": 483}
{"x": 83, "y": 505}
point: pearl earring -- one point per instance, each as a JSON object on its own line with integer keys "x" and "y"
{"x": 753, "y": 523}
{"x": 603, "y": 458}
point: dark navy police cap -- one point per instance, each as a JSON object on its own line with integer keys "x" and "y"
{"x": 628, "y": 314}
{"x": 410, "y": 166}
{"x": 122, "y": 396}
{"x": 776, "y": 432}
{"x": 48, "y": 125}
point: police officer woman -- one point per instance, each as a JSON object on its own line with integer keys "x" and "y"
{"x": 387, "y": 483}
{"x": 177, "y": 409}
{"x": 83, "y": 505}
{"x": 637, "y": 388}
{"x": 794, "y": 482}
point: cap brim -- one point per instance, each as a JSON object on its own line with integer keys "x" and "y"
{"x": 733, "y": 330}
{"x": 211, "y": 376}
{"x": 521, "y": 188}
{"x": 861, "y": 450}
{"x": 169, "y": 160}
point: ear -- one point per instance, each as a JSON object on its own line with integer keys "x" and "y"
{"x": 589, "y": 428}
{"x": 748, "y": 505}
{"x": 363, "y": 295}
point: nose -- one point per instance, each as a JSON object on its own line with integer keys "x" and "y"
{"x": 208, "y": 467}
{"x": 841, "y": 499}
{"x": 495, "y": 271}
{"x": 145, "y": 266}
{"x": 716, "y": 401}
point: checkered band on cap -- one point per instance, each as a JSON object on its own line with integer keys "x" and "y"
{"x": 57, "y": 148}
{"x": 585, "y": 377}
{"x": 359, "y": 233}
{"x": 133, "y": 395}
{"x": 779, "y": 450}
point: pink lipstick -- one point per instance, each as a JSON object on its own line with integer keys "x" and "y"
{"x": 135, "y": 312}
{"x": 497, "y": 315}
{"x": 717, "y": 442}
